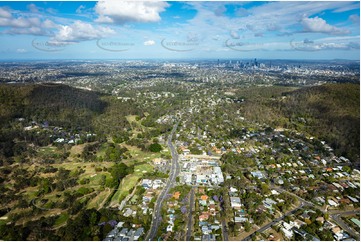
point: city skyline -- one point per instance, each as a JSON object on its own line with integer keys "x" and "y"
{"x": 179, "y": 30}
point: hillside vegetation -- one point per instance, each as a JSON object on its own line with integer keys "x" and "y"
{"x": 59, "y": 104}
{"x": 330, "y": 112}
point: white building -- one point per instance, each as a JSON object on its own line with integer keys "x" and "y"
{"x": 235, "y": 202}
{"x": 202, "y": 179}
{"x": 288, "y": 233}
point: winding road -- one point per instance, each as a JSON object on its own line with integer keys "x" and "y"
{"x": 156, "y": 219}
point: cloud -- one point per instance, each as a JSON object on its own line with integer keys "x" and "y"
{"x": 19, "y": 22}
{"x": 348, "y": 7}
{"x": 242, "y": 12}
{"x": 51, "y": 10}
{"x": 4, "y": 13}
{"x": 79, "y": 10}
{"x": 81, "y": 31}
{"x": 220, "y": 10}
{"x": 308, "y": 45}
{"x": 216, "y": 37}
{"x": 258, "y": 35}
{"x": 21, "y": 51}
{"x": 354, "y": 18}
{"x": 234, "y": 35}
{"x": 33, "y": 8}
{"x": 30, "y": 30}
{"x": 272, "y": 27}
{"x": 319, "y": 25}
{"x": 149, "y": 42}
{"x": 24, "y": 24}
{"x": 119, "y": 12}
{"x": 48, "y": 24}
{"x": 250, "y": 27}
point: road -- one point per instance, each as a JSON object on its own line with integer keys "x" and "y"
{"x": 270, "y": 224}
{"x": 224, "y": 230}
{"x": 337, "y": 218}
{"x": 190, "y": 216}
{"x": 279, "y": 189}
{"x": 156, "y": 219}
{"x": 335, "y": 215}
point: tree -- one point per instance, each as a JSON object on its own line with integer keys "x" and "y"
{"x": 119, "y": 171}
{"x": 155, "y": 147}
{"x": 265, "y": 188}
{"x": 247, "y": 226}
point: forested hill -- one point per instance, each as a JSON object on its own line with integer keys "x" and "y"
{"x": 330, "y": 111}
{"x": 59, "y": 104}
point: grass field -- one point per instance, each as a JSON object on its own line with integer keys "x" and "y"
{"x": 130, "y": 181}
{"x": 140, "y": 156}
{"x": 137, "y": 127}
{"x": 61, "y": 220}
{"x": 76, "y": 151}
{"x": 99, "y": 199}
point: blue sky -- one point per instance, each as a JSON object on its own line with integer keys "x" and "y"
{"x": 200, "y": 29}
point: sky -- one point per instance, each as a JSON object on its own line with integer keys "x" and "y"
{"x": 114, "y": 29}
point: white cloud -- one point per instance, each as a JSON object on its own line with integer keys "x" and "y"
{"x": 328, "y": 43}
{"x": 114, "y": 11}
{"x": 319, "y": 25}
{"x": 242, "y": 12}
{"x": 48, "y": 24}
{"x": 18, "y": 22}
{"x": 80, "y": 31}
{"x": 234, "y": 34}
{"x": 220, "y": 10}
{"x": 312, "y": 46}
{"x": 4, "y": 13}
{"x": 79, "y": 10}
{"x": 33, "y": 8}
{"x": 51, "y": 10}
{"x": 30, "y": 30}
{"x": 149, "y": 42}
{"x": 24, "y": 24}
{"x": 21, "y": 51}
{"x": 355, "y": 18}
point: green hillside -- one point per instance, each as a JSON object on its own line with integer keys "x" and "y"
{"x": 59, "y": 104}
{"x": 330, "y": 111}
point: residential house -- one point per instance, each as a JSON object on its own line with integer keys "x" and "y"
{"x": 139, "y": 232}
{"x": 176, "y": 195}
{"x": 240, "y": 219}
{"x": 124, "y": 232}
{"x": 203, "y": 200}
{"x": 147, "y": 183}
{"x": 170, "y": 228}
{"x": 268, "y": 203}
{"x": 288, "y": 233}
{"x": 128, "y": 212}
{"x": 235, "y": 202}
{"x": 212, "y": 209}
{"x": 204, "y": 216}
{"x": 157, "y": 184}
